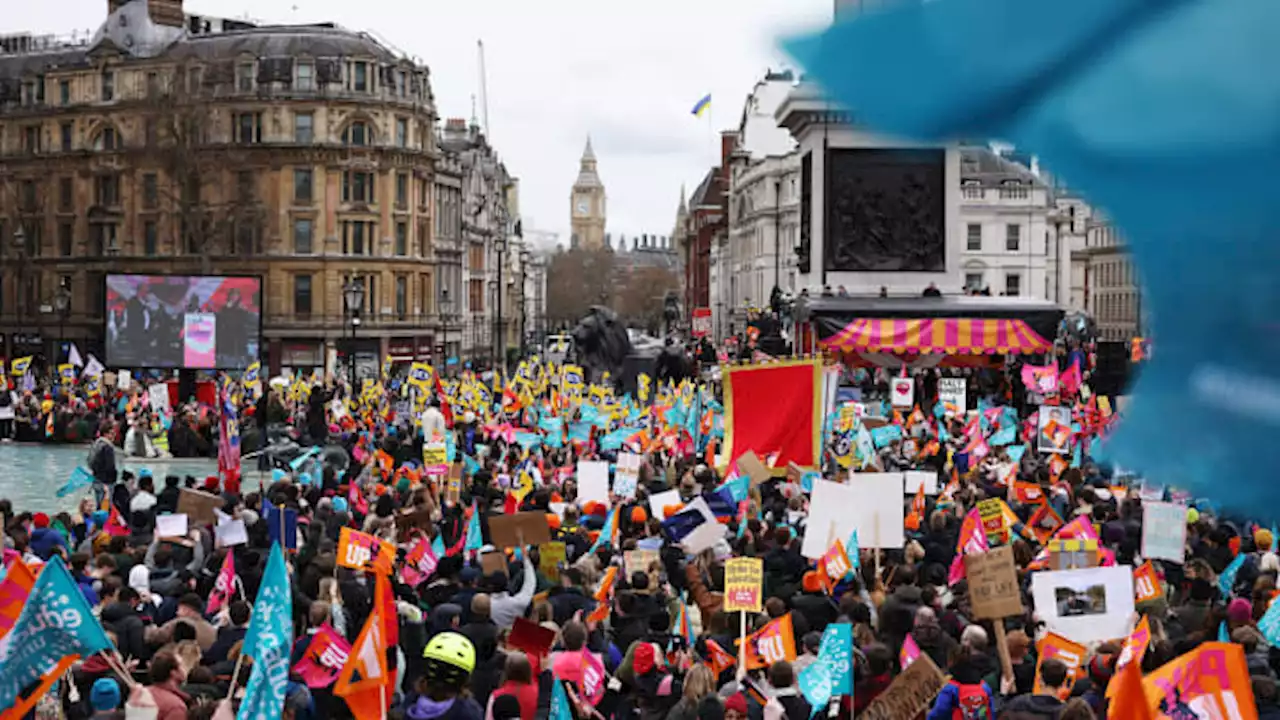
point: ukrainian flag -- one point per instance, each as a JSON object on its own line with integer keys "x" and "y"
{"x": 702, "y": 105}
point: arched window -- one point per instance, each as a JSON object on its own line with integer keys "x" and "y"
{"x": 358, "y": 134}
{"x": 107, "y": 139}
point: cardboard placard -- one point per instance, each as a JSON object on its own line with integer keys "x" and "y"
{"x": 750, "y": 465}
{"x": 639, "y": 560}
{"x": 910, "y": 694}
{"x": 453, "y": 488}
{"x": 1072, "y": 554}
{"x": 494, "y": 562}
{"x": 795, "y": 472}
{"x": 409, "y": 519}
{"x": 993, "y": 584}
{"x": 199, "y": 507}
{"x": 527, "y": 528}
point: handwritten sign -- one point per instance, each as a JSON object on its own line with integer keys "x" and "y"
{"x": 993, "y": 584}
{"x": 1164, "y": 531}
{"x": 435, "y": 458}
{"x": 743, "y": 583}
{"x": 910, "y": 694}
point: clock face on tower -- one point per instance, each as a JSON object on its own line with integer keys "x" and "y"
{"x": 582, "y": 206}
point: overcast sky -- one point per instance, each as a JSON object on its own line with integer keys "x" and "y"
{"x": 628, "y": 74}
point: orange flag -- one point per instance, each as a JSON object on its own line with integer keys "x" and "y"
{"x": 1146, "y": 584}
{"x": 364, "y": 681}
{"x": 771, "y": 643}
{"x": 916, "y": 516}
{"x": 1129, "y": 700}
{"x": 13, "y": 594}
{"x": 833, "y": 566}
{"x": 719, "y": 659}
{"x": 606, "y": 585}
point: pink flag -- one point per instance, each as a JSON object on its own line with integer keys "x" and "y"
{"x": 910, "y": 651}
{"x": 225, "y": 585}
{"x": 419, "y": 563}
{"x": 323, "y": 659}
{"x": 356, "y": 499}
{"x": 1039, "y": 379}
{"x": 972, "y": 540}
{"x": 594, "y": 678}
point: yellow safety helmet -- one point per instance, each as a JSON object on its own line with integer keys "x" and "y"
{"x": 450, "y": 658}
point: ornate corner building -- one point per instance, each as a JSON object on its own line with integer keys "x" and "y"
{"x": 173, "y": 144}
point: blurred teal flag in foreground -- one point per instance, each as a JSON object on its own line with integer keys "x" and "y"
{"x": 1163, "y": 114}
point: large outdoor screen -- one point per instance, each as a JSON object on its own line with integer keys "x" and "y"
{"x": 183, "y": 321}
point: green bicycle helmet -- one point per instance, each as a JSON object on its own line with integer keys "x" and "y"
{"x": 450, "y": 659}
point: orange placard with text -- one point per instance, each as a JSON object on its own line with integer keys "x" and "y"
{"x": 834, "y": 566}
{"x": 364, "y": 552}
{"x": 1071, "y": 654}
{"x": 1146, "y": 584}
{"x": 771, "y": 643}
{"x": 1211, "y": 681}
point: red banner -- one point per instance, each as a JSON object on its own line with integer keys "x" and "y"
{"x": 774, "y": 408}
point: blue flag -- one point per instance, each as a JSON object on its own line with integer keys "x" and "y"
{"x": 606, "y": 533}
{"x": 280, "y": 519}
{"x": 475, "y": 539}
{"x": 1227, "y": 579}
{"x": 437, "y": 546}
{"x": 55, "y": 622}
{"x": 560, "y": 709}
{"x": 1269, "y": 625}
{"x": 1223, "y": 635}
{"x": 80, "y": 478}
{"x": 268, "y": 642}
{"x": 831, "y": 675}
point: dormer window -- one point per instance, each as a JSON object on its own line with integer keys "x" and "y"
{"x": 306, "y": 79}
{"x": 244, "y": 77}
{"x": 359, "y": 77}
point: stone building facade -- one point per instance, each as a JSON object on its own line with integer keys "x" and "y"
{"x": 172, "y": 144}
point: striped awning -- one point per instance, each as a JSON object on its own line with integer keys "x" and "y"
{"x": 950, "y": 336}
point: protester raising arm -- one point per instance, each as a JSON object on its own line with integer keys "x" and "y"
{"x": 506, "y": 607}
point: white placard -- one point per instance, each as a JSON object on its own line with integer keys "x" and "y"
{"x": 1164, "y": 531}
{"x": 870, "y": 503}
{"x": 1085, "y": 605}
{"x": 593, "y": 482}
{"x": 159, "y": 396}
{"x": 902, "y": 392}
{"x": 953, "y": 391}
{"x": 658, "y": 501}
{"x": 913, "y": 479}
{"x": 627, "y": 476}
{"x": 173, "y": 525}
{"x": 231, "y": 532}
{"x": 123, "y": 380}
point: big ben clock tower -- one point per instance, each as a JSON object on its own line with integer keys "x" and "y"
{"x": 587, "y": 204}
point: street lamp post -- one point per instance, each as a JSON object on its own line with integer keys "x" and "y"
{"x": 501, "y": 246}
{"x": 353, "y": 294}
{"x": 445, "y": 305}
{"x": 524, "y": 321}
{"x": 62, "y": 303}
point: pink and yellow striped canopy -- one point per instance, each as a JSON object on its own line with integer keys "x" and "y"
{"x": 950, "y": 336}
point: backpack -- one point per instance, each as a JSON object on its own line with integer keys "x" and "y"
{"x": 973, "y": 702}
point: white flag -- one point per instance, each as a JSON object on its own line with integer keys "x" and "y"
{"x": 93, "y": 368}
{"x": 73, "y": 356}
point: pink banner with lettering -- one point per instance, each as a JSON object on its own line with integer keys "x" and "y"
{"x": 594, "y": 678}
{"x": 323, "y": 659}
{"x": 225, "y": 585}
{"x": 419, "y": 563}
